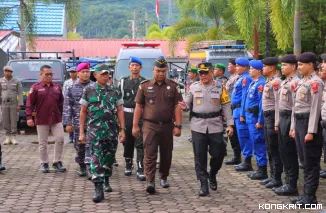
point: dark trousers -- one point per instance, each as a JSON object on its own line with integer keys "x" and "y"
{"x": 156, "y": 135}
{"x": 271, "y": 139}
{"x": 235, "y": 143}
{"x": 0, "y": 154}
{"x": 215, "y": 145}
{"x": 131, "y": 142}
{"x": 288, "y": 151}
{"x": 311, "y": 152}
{"x": 324, "y": 140}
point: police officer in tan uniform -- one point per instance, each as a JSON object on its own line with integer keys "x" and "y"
{"x": 287, "y": 147}
{"x": 236, "y": 159}
{"x": 322, "y": 75}
{"x": 270, "y": 105}
{"x": 305, "y": 126}
{"x": 157, "y": 100}
{"x": 208, "y": 98}
{"x": 11, "y": 100}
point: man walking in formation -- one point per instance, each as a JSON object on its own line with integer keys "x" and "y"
{"x": 128, "y": 87}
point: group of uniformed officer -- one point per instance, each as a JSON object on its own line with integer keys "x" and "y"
{"x": 274, "y": 118}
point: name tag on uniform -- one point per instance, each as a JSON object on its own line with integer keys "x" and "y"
{"x": 199, "y": 95}
{"x": 150, "y": 90}
{"x": 43, "y": 89}
{"x": 13, "y": 84}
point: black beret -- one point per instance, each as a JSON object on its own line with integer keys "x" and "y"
{"x": 323, "y": 56}
{"x": 307, "y": 57}
{"x": 232, "y": 61}
{"x": 161, "y": 62}
{"x": 206, "y": 66}
{"x": 270, "y": 61}
{"x": 290, "y": 59}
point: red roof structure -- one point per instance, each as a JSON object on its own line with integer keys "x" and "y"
{"x": 103, "y": 47}
{"x": 4, "y": 33}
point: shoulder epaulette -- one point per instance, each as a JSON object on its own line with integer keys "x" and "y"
{"x": 124, "y": 77}
{"x": 196, "y": 82}
{"x": 144, "y": 81}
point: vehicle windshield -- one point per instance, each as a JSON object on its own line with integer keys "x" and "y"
{"x": 122, "y": 68}
{"x": 222, "y": 61}
{"x": 30, "y": 69}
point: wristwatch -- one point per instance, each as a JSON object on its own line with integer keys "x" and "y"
{"x": 122, "y": 128}
{"x": 178, "y": 126}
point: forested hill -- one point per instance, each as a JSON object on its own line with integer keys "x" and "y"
{"x": 109, "y": 18}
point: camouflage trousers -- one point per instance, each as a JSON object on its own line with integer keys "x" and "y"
{"x": 102, "y": 158}
{"x": 80, "y": 148}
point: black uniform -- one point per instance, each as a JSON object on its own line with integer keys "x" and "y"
{"x": 129, "y": 88}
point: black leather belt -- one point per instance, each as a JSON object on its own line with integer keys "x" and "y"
{"x": 158, "y": 122}
{"x": 7, "y": 100}
{"x": 285, "y": 113}
{"x": 252, "y": 109}
{"x": 301, "y": 116}
{"x": 206, "y": 115}
{"x": 269, "y": 113}
{"x": 234, "y": 106}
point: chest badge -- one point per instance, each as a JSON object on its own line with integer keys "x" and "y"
{"x": 198, "y": 101}
{"x": 150, "y": 101}
{"x": 250, "y": 95}
{"x": 168, "y": 87}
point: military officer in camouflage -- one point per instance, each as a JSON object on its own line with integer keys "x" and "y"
{"x": 208, "y": 98}
{"x": 236, "y": 159}
{"x": 270, "y": 106}
{"x": 306, "y": 127}
{"x": 101, "y": 104}
{"x": 11, "y": 100}
{"x": 219, "y": 71}
{"x": 322, "y": 75}
{"x": 71, "y": 115}
{"x": 287, "y": 147}
{"x": 129, "y": 87}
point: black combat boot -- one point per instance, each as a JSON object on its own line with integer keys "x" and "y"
{"x": 81, "y": 171}
{"x": 88, "y": 172}
{"x": 270, "y": 178}
{"x": 244, "y": 166}
{"x": 323, "y": 173}
{"x": 287, "y": 190}
{"x": 2, "y": 168}
{"x": 235, "y": 160}
{"x": 129, "y": 167}
{"x": 275, "y": 182}
{"x": 203, "y": 188}
{"x": 107, "y": 187}
{"x": 151, "y": 187}
{"x": 99, "y": 194}
{"x": 140, "y": 171}
{"x": 260, "y": 174}
{"x": 212, "y": 182}
{"x": 308, "y": 198}
{"x": 252, "y": 172}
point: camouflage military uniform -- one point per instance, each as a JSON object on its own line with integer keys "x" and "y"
{"x": 71, "y": 115}
{"x": 102, "y": 132}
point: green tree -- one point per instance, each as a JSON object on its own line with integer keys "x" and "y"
{"x": 4, "y": 13}
{"x": 72, "y": 36}
{"x": 297, "y": 28}
{"x": 153, "y": 28}
{"x": 250, "y": 15}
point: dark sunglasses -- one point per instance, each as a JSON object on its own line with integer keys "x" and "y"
{"x": 48, "y": 74}
{"x": 203, "y": 73}
{"x": 8, "y": 71}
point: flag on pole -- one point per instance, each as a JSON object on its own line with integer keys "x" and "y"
{"x": 157, "y": 9}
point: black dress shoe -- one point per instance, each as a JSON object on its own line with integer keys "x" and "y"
{"x": 267, "y": 180}
{"x": 81, "y": 171}
{"x": 293, "y": 200}
{"x": 251, "y": 173}
{"x": 203, "y": 188}
{"x": 2, "y": 168}
{"x": 99, "y": 194}
{"x": 164, "y": 183}
{"x": 151, "y": 187}
{"x": 213, "y": 183}
{"x": 107, "y": 187}
{"x": 233, "y": 161}
{"x": 273, "y": 183}
{"x": 286, "y": 190}
{"x": 45, "y": 168}
{"x": 59, "y": 167}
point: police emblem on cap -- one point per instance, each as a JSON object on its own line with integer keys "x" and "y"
{"x": 202, "y": 66}
{"x": 127, "y": 94}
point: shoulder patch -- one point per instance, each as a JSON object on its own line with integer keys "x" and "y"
{"x": 275, "y": 84}
{"x": 224, "y": 97}
{"x": 314, "y": 87}
{"x": 244, "y": 82}
{"x": 294, "y": 86}
{"x": 260, "y": 88}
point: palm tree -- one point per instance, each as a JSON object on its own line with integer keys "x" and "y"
{"x": 250, "y": 15}
{"x": 297, "y": 28}
{"x": 28, "y": 19}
